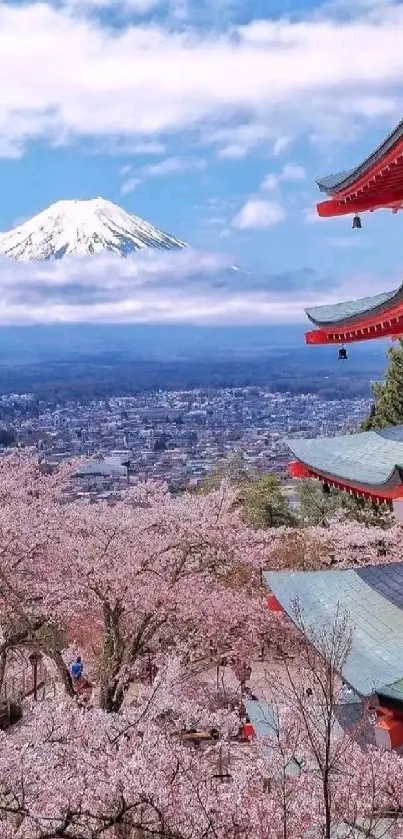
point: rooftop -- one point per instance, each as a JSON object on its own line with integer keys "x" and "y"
{"x": 373, "y": 598}
{"x": 102, "y": 468}
{"x": 370, "y": 458}
{"x": 336, "y": 183}
{"x": 375, "y": 182}
{"x": 352, "y": 311}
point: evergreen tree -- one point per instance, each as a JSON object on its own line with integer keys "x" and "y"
{"x": 388, "y": 407}
{"x": 264, "y": 503}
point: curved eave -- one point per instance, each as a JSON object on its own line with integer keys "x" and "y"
{"x": 358, "y": 204}
{"x": 344, "y": 180}
{"x": 356, "y": 311}
{"x": 341, "y": 324}
{"x": 368, "y": 463}
{"x": 379, "y": 493}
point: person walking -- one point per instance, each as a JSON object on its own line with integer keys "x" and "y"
{"x": 77, "y": 669}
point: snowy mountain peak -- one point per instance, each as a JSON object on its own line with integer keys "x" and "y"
{"x": 82, "y": 227}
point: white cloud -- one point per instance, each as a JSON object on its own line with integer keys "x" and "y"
{"x": 269, "y": 182}
{"x": 133, "y": 7}
{"x": 237, "y": 141}
{"x": 106, "y": 288}
{"x": 72, "y": 77}
{"x": 281, "y": 145}
{"x": 129, "y": 185}
{"x": 185, "y": 286}
{"x": 169, "y": 166}
{"x": 292, "y": 172}
{"x": 146, "y": 147}
{"x": 259, "y": 214}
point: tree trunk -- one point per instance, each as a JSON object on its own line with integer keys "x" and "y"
{"x": 63, "y": 672}
{"x": 3, "y": 664}
{"x": 111, "y": 696}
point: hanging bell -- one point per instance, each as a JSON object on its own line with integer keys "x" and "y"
{"x": 343, "y": 354}
{"x": 357, "y": 223}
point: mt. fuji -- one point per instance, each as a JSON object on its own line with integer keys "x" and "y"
{"x": 79, "y": 228}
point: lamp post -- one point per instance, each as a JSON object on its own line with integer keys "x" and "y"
{"x": 34, "y": 658}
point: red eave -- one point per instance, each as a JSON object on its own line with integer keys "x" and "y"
{"x": 381, "y": 186}
{"x": 335, "y": 207}
{"x": 359, "y": 332}
{"x": 379, "y": 495}
{"x": 388, "y": 324}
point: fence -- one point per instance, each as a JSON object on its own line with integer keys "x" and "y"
{"x": 19, "y": 680}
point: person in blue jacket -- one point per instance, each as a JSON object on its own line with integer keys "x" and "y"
{"x": 76, "y": 669}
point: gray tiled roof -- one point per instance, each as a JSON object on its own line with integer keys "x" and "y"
{"x": 372, "y": 458}
{"x": 376, "y": 657}
{"x": 334, "y": 183}
{"x": 387, "y": 580}
{"x": 353, "y": 310}
{"x": 331, "y": 182}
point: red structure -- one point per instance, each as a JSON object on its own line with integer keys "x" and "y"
{"x": 375, "y": 183}
{"x": 384, "y": 495}
{"x": 273, "y": 604}
{"x": 373, "y": 321}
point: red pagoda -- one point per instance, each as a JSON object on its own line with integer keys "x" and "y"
{"x": 375, "y": 183}
{"x": 368, "y": 464}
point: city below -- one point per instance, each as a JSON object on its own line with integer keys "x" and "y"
{"x": 175, "y": 436}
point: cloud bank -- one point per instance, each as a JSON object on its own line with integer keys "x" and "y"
{"x": 70, "y": 76}
{"x": 187, "y": 286}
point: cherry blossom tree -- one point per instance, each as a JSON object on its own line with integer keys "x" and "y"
{"x": 341, "y": 544}
{"x": 156, "y": 590}
{"x": 30, "y": 528}
{"x": 157, "y": 573}
{"x": 327, "y": 777}
{"x": 71, "y": 773}
{"x": 147, "y": 576}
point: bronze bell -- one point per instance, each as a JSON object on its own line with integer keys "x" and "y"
{"x": 357, "y": 223}
{"x": 343, "y": 354}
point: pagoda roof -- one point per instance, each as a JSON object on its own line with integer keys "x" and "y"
{"x": 368, "y": 463}
{"x": 375, "y": 182}
{"x": 373, "y": 598}
{"x": 378, "y": 316}
{"x": 334, "y": 183}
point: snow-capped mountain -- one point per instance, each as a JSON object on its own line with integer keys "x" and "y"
{"x": 78, "y": 228}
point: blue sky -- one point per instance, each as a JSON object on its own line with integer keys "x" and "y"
{"x": 211, "y": 119}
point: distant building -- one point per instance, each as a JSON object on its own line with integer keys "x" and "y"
{"x": 102, "y": 475}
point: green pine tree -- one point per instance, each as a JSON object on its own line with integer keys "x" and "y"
{"x": 388, "y": 406}
{"x": 264, "y": 503}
